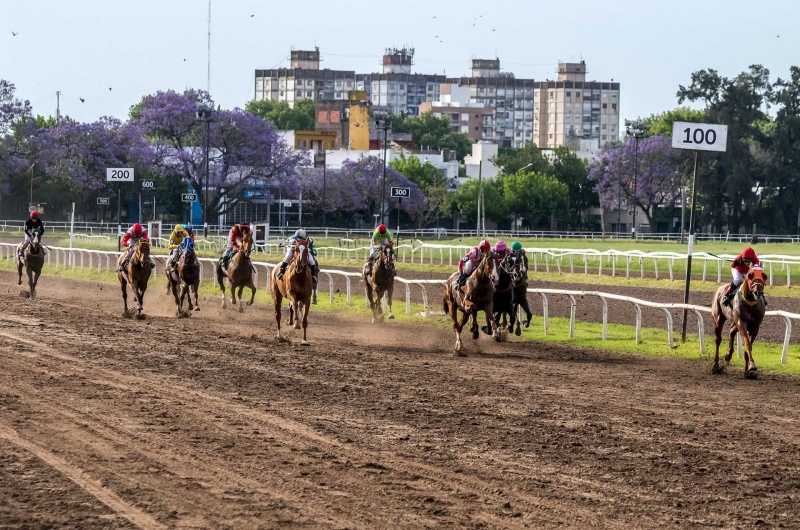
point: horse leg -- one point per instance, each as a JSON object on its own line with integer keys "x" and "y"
{"x": 278, "y": 301}
{"x": 221, "y": 282}
{"x": 195, "y": 287}
{"x": 452, "y": 309}
{"x": 124, "y": 287}
{"x": 290, "y": 320}
{"x": 732, "y": 335}
{"x": 753, "y": 332}
{"x": 715, "y": 368}
{"x": 369, "y": 293}
{"x": 31, "y": 284}
{"x": 750, "y": 369}
{"x": 20, "y": 264}
{"x": 389, "y": 301}
{"x": 241, "y": 304}
{"x": 297, "y": 316}
{"x": 493, "y": 323}
{"x": 252, "y": 286}
{"x": 139, "y": 300}
{"x": 305, "y": 322}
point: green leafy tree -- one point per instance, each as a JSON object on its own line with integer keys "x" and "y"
{"x": 430, "y": 180}
{"x": 529, "y": 157}
{"x": 536, "y": 197}
{"x": 466, "y": 199}
{"x": 431, "y": 132}
{"x": 662, "y": 123}
{"x": 282, "y": 116}
{"x": 572, "y": 170}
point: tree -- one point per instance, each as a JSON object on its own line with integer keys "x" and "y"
{"x": 434, "y": 133}
{"x": 466, "y": 199}
{"x": 659, "y": 176}
{"x": 16, "y": 127}
{"x": 430, "y": 181}
{"x": 529, "y": 158}
{"x": 571, "y": 170}
{"x": 536, "y": 197}
{"x": 662, "y": 123}
{"x": 245, "y": 151}
{"x": 282, "y": 116}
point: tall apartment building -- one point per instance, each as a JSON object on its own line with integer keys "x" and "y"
{"x": 474, "y": 119}
{"x": 547, "y": 113}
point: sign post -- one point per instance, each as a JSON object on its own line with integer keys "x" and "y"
{"x": 696, "y": 137}
{"x": 400, "y": 194}
{"x": 119, "y": 175}
{"x": 147, "y": 185}
{"x": 189, "y": 198}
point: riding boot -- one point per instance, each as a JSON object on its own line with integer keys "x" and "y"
{"x": 369, "y": 267}
{"x": 314, "y": 296}
{"x": 283, "y": 270}
{"x": 726, "y": 298}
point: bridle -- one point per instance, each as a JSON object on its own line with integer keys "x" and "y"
{"x": 300, "y": 256}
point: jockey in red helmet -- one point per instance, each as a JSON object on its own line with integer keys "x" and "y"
{"x": 468, "y": 263}
{"x": 739, "y": 268}
{"x": 34, "y": 229}
{"x": 132, "y": 236}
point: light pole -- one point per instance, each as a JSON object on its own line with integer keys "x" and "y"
{"x": 637, "y": 129}
{"x": 204, "y": 114}
{"x": 324, "y": 187}
{"x": 384, "y": 123}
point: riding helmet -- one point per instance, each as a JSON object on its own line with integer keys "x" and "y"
{"x": 178, "y": 227}
{"x": 187, "y": 227}
{"x": 500, "y": 246}
{"x": 34, "y": 214}
{"x": 137, "y": 229}
{"x": 381, "y": 229}
{"x": 485, "y": 246}
{"x": 301, "y": 234}
{"x": 749, "y": 254}
{"x": 516, "y": 246}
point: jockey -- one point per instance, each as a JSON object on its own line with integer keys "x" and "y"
{"x": 236, "y": 235}
{"x": 471, "y": 260}
{"x": 34, "y": 229}
{"x": 519, "y": 254}
{"x": 299, "y": 235}
{"x": 739, "y": 268}
{"x": 381, "y": 236}
{"x": 189, "y": 230}
{"x": 501, "y": 250}
{"x": 176, "y": 237}
{"x": 132, "y": 236}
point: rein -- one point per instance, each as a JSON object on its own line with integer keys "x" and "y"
{"x": 749, "y": 290}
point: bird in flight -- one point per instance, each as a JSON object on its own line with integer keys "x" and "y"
{"x": 434, "y": 16}
{"x": 184, "y": 60}
{"x": 109, "y": 89}
{"x": 82, "y": 100}
{"x": 436, "y": 36}
{"x": 15, "y": 34}
{"x": 251, "y": 16}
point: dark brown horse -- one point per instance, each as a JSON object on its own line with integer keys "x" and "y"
{"x": 476, "y": 295}
{"x": 521, "y": 291}
{"x": 379, "y": 281}
{"x": 137, "y": 273}
{"x": 239, "y": 274}
{"x": 32, "y": 258}
{"x": 745, "y": 313}
{"x": 185, "y": 277}
{"x": 508, "y": 272}
{"x": 296, "y": 285}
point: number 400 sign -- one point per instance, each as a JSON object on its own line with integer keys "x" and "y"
{"x": 699, "y": 136}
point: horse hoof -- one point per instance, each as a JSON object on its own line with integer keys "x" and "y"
{"x": 305, "y": 343}
{"x": 717, "y": 369}
{"x": 751, "y": 374}
{"x": 197, "y": 308}
{"x": 297, "y": 326}
{"x": 517, "y": 332}
{"x": 373, "y": 320}
{"x": 497, "y": 337}
{"x": 475, "y": 335}
{"x": 241, "y": 309}
{"x": 250, "y": 302}
{"x": 391, "y": 316}
{"x": 20, "y": 282}
{"x": 485, "y": 329}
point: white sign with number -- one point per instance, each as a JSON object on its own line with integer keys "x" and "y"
{"x": 400, "y": 193}
{"x": 103, "y": 201}
{"x": 119, "y": 174}
{"x": 148, "y": 185}
{"x": 699, "y": 136}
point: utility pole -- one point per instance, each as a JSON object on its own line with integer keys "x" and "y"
{"x": 209, "y": 48}
{"x": 481, "y": 213}
{"x": 58, "y": 106}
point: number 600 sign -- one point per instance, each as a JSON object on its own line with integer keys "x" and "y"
{"x": 699, "y": 136}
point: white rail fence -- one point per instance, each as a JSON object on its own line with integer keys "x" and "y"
{"x": 97, "y": 260}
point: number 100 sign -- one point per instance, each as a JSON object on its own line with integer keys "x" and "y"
{"x": 699, "y": 136}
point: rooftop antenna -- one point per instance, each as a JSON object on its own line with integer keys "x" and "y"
{"x": 209, "y": 48}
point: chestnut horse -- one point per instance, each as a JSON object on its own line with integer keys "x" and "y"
{"x": 33, "y": 261}
{"x": 477, "y": 295}
{"x": 745, "y": 313}
{"x": 380, "y": 281}
{"x": 137, "y": 273}
{"x": 184, "y": 277}
{"x": 239, "y": 274}
{"x": 296, "y": 285}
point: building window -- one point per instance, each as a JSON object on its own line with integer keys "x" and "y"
{"x": 299, "y": 93}
{"x": 613, "y": 96}
{"x": 551, "y": 136}
{"x": 604, "y": 126}
{"x": 476, "y": 128}
{"x": 322, "y": 116}
{"x": 552, "y": 104}
{"x": 613, "y": 128}
{"x": 551, "y": 93}
{"x": 303, "y": 144}
{"x": 605, "y": 105}
{"x": 569, "y": 94}
{"x": 577, "y": 95}
{"x": 613, "y": 106}
{"x": 604, "y": 137}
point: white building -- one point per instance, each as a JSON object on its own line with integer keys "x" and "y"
{"x": 480, "y": 161}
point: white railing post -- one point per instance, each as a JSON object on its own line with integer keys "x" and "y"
{"x": 786, "y": 337}
{"x": 545, "y": 313}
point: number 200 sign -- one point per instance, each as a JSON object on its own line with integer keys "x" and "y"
{"x": 119, "y": 174}
{"x": 699, "y": 136}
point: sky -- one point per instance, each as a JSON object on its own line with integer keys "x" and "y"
{"x": 110, "y": 53}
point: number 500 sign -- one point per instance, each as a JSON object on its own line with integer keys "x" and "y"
{"x": 699, "y": 136}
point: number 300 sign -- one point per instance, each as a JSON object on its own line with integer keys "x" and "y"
{"x": 699, "y": 136}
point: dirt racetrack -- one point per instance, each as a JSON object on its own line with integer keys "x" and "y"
{"x": 210, "y": 422}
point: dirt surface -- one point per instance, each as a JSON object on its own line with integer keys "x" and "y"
{"x": 211, "y": 422}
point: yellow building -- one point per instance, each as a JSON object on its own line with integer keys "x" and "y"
{"x": 359, "y": 120}
{"x": 315, "y": 140}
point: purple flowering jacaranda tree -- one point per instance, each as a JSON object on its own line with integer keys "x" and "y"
{"x": 244, "y": 150}
{"x": 659, "y": 175}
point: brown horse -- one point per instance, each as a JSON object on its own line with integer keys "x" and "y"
{"x": 521, "y": 291}
{"x": 477, "y": 295}
{"x": 239, "y": 274}
{"x": 379, "y": 281}
{"x": 186, "y": 277}
{"x": 746, "y": 313}
{"x": 296, "y": 285}
{"x": 32, "y": 258}
{"x": 137, "y": 273}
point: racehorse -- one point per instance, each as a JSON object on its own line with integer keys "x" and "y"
{"x": 745, "y": 313}
{"x": 476, "y": 295}
{"x": 186, "y": 277}
{"x": 296, "y": 285}
{"x": 521, "y": 292}
{"x": 504, "y": 295}
{"x": 137, "y": 273}
{"x": 380, "y": 281}
{"x": 239, "y": 274}
{"x": 33, "y": 261}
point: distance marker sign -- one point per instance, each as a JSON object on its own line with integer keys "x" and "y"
{"x": 699, "y": 136}
{"x": 400, "y": 193}
{"x": 103, "y": 201}
{"x": 188, "y": 197}
{"x": 119, "y": 174}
